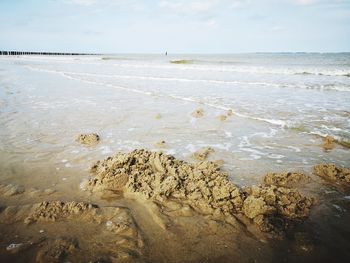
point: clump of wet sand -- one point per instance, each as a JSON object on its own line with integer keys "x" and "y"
{"x": 202, "y": 153}
{"x": 273, "y": 208}
{"x": 88, "y": 139}
{"x": 202, "y": 186}
{"x": 198, "y": 113}
{"x": 51, "y": 211}
{"x": 222, "y": 117}
{"x": 332, "y": 172}
{"x": 286, "y": 179}
{"x": 158, "y": 116}
{"x": 160, "y": 144}
{"x": 328, "y": 143}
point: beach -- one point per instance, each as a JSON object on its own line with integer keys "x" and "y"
{"x": 107, "y": 158}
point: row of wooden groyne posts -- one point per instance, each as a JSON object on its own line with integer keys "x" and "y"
{"x": 21, "y": 53}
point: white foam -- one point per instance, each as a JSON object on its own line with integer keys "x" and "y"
{"x": 228, "y": 134}
{"x": 225, "y": 146}
{"x": 255, "y": 157}
{"x": 191, "y": 148}
{"x": 296, "y": 149}
{"x": 105, "y": 149}
{"x": 275, "y": 156}
{"x": 171, "y": 151}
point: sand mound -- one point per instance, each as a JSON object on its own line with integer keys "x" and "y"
{"x": 222, "y": 117}
{"x": 88, "y": 139}
{"x": 286, "y": 179}
{"x": 156, "y": 175}
{"x": 202, "y": 186}
{"x": 328, "y": 143}
{"x": 51, "y": 211}
{"x": 273, "y": 207}
{"x": 332, "y": 172}
{"x": 198, "y": 113}
{"x": 202, "y": 153}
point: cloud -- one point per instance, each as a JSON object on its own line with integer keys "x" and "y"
{"x": 277, "y": 28}
{"x": 83, "y": 2}
{"x": 92, "y": 33}
{"x": 102, "y": 3}
{"x": 187, "y": 7}
{"x": 239, "y": 3}
{"x": 305, "y": 2}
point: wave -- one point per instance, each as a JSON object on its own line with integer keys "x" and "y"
{"x": 276, "y": 122}
{"x": 345, "y": 142}
{"x": 324, "y": 87}
{"x": 339, "y": 74}
{"x": 178, "y": 79}
{"x": 323, "y": 131}
{"x": 240, "y": 69}
{"x": 196, "y": 65}
{"x": 181, "y": 61}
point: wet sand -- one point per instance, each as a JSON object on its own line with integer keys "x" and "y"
{"x": 145, "y": 206}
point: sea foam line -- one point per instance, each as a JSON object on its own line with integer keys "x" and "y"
{"x": 280, "y": 123}
{"x": 213, "y": 81}
{"x": 177, "y": 79}
{"x": 197, "y": 67}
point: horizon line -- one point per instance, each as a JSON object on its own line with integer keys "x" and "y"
{"x": 19, "y": 52}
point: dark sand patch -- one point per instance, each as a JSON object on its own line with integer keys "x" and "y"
{"x": 11, "y": 190}
{"x": 8, "y": 190}
{"x": 74, "y": 231}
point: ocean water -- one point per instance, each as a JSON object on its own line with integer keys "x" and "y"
{"x": 282, "y": 104}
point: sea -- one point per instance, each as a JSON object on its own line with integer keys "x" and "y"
{"x": 282, "y": 104}
{"x": 259, "y": 112}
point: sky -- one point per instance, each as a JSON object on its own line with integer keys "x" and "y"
{"x": 178, "y": 26}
